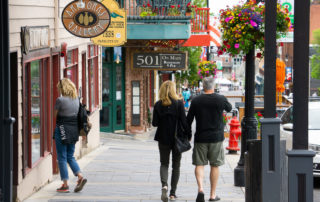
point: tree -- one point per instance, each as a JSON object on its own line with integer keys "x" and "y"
{"x": 315, "y": 59}
{"x": 190, "y": 74}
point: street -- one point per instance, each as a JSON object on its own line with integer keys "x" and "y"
{"x": 125, "y": 168}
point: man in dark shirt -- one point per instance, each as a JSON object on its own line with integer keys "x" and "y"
{"x": 208, "y": 109}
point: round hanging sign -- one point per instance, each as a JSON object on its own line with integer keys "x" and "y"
{"x": 86, "y": 18}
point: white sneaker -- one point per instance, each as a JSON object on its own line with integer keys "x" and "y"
{"x": 164, "y": 194}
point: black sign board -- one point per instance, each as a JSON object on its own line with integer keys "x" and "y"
{"x": 160, "y": 60}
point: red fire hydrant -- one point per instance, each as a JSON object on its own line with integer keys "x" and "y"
{"x": 235, "y": 132}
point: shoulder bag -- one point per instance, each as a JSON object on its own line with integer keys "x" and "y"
{"x": 182, "y": 143}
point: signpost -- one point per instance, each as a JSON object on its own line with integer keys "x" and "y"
{"x": 116, "y": 34}
{"x": 103, "y": 21}
{"x": 160, "y": 60}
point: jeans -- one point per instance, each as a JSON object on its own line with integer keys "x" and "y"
{"x": 65, "y": 155}
{"x": 165, "y": 151}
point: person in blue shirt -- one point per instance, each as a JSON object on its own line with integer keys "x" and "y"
{"x": 186, "y": 96}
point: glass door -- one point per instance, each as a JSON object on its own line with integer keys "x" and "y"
{"x": 112, "y": 113}
{"x": 118, "y": 102}
{"x": 107, "y": 97}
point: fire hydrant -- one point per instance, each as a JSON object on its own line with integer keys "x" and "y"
{"x": 235, "y": 132}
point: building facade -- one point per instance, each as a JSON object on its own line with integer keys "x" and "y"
{"x": 42, "y": 52}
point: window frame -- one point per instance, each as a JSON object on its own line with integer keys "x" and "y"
{"x": 73, "y": 66}
{"x": 93, "y": 58}
{"x": 45, "y": 73}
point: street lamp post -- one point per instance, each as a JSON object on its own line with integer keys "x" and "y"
{"x": 249, "y": 122}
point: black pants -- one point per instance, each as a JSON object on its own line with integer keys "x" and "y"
{"x": 165, "y": 151}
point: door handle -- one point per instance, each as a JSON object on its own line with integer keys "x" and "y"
{"x": 9, "y": 120}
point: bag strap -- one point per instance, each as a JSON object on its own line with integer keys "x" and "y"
{"x": 177, "y": 109}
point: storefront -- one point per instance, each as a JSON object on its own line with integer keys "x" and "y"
{"x": 41, "y": 54}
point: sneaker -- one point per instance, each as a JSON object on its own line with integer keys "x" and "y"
{"x": 200, "y": 197}
{"x": 63, "y": 189}
{"x": 80, "y": 184}
{"x": 164, "y": 194}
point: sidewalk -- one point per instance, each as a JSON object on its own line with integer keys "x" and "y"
{"x": 126, "y": 169}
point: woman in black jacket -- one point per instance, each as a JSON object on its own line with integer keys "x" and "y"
{"x": 166, "y": 112}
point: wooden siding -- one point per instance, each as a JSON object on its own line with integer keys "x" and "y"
{"x": 42, "y": 13}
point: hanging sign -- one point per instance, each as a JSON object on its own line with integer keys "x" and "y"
{"x": 174, "y": 60}
{"x": 116, "y": 34}
{"x": 86, "y": 18}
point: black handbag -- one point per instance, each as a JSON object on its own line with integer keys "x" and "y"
{"x": 182, "y": 143}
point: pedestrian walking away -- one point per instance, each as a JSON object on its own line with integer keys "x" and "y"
{"x": 66, "y": 133}
{"x": 208, "y": 109}
{"x": 186, "y": 96}
{"x": 165, "y": 117}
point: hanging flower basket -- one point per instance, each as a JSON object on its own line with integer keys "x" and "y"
{"x": 207, "y": 68}
{"x": 243, "y": 26}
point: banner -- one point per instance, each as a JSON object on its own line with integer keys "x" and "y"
{"x": 288, "y": 73}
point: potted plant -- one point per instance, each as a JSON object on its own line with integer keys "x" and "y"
{"x": 243, "y": 26}
{"x": 207, "y": 68}
{"x": 191, "y": 10}
{"x": 174, "y": 10}
{"x": 146, "y": 10}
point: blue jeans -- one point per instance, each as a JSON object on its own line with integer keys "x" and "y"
{"x": 65, "y": 155}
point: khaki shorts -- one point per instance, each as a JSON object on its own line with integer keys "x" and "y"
{"x": 204, "y": 152}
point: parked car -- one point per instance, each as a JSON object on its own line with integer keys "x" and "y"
{"x": 314, "y": 132}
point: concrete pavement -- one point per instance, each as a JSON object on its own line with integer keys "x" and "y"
{"x": 126, "y": 169}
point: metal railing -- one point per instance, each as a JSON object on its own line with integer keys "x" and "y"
{"x": 156, "y": 7}
{"x": 201, "y": 20}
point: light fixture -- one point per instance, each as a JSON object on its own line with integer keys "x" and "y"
{"x": 118, "y": 59}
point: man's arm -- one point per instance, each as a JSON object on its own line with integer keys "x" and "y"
{"x": 226, "y": 105}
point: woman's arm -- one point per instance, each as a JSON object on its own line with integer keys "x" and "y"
{"x": 55, "y": 113}
{"x": 183, "y": 119}
{"x": 155, "y": 119}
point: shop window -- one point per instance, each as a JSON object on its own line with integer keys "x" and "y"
{"x": 71, "y": 70}
{"x": 93, "y": 78}
{"x": 37, "y": 111}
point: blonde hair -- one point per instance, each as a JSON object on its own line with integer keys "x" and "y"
{"x": 167, "y": 91}
{"x": 67, "y": 88}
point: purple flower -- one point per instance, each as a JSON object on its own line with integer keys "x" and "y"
{"x": 253, "y": 23}
{"x": 239, "y": 14}
{"x": 236, "y": 45}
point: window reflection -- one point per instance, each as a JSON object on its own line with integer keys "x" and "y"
{"x": 119, "y": 121}
{"x": 105, "y": 85}
{"x": 35, "y": 110}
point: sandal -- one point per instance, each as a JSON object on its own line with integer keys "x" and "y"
{"x": 173, "y": 197}
{"x": 200, "y": 197}
{"x": 217, "y": 198}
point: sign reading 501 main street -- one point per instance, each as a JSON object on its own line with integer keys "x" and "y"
{"x": 86, "y": 18}
{"x": 160, "y": 60}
